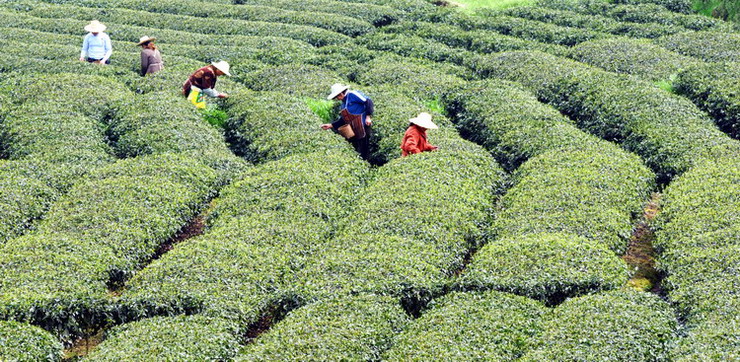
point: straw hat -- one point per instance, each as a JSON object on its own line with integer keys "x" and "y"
{"x": 336, "y": 89}
{"x": 145, "y": 39}
{"x": 222, "y": 66}
{"x": 424, "y": 120}
{"x": 95, "y": 27}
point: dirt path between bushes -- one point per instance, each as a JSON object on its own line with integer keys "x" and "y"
{"x": 640, "y": 254}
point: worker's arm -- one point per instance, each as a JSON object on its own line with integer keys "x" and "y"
{"x": 411, "y": 146}
{"x": 83, "y": 52}
{"x": 108, "y": 49}
{"x": 144, "y": 62}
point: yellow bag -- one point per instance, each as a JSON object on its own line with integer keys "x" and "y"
{"x": 197, "y": 98}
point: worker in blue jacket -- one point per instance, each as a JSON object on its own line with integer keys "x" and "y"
{"x": 355, "y": 117}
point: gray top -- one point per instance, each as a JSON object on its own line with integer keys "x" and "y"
{"x": 151, "y": 61}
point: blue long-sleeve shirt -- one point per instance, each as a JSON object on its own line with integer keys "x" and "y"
{"x": 356, "y": 103}
{"x": 96, "y": 46}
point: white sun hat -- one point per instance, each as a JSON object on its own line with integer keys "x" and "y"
{"x": 145, "y": 39}
{"x": 336, "y": 89}
{"x": 95, "y": 27}
{"x": 222, "y": 66}
{"x": 424, "y": 120}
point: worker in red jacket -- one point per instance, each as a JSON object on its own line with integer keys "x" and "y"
{"x": 415, "y": 138}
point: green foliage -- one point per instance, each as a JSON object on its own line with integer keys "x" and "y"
{"x": 23, "y": 199}
{"x": 262, "y": 230}
{"x": 477, "y": 40}
{"x": 723, "y": 9}
{"x": 310, "y": 34}
{"x": 22, "y": 342}
{"x": 417, "y": 81}
{"x": 698, "y": 235}
{"x": 590, "y": 192}
{"x": 546, "y": 266}
{"x": 266, "y": 126}
{"x": 414, "y": 46}
{"x": 323, "y": 108}
{"x": 354, "y": 328}
{"x": 705, "y": 45}
{"x": 594, "y": 22}
{"x": 410, "y": 229}
{"x": 295, "y": 79}
{"x": 622, "y": 109}
{"x": 215, "y": 116}
{"x": 639, "y": 11}
{"x": 714, "y": 338}
{"x": 488, "y": 326}
{"x": 715, "y": 88}
{"x": 98, "y": 235}
{"x": 379, "y": 15}
{"x": 169, "y": 338}
{"x": 341, "y": 24}
{"x": 679, "y": 6}
{"x": 620, "y": 325}
{"x": 509, "y": 122}
{"x": 637, "y": 57}
{"x": 535, "y": 30}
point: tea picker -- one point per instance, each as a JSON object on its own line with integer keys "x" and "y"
{"x": 203, "y": 82}
{"x": 415, "y": 139}
{"x": 355, "y": 117}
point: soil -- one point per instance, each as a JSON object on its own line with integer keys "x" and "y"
{"x": 83, "y": 346}
{"x": 640, "y": 253}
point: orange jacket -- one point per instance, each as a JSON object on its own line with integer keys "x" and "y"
{"x": 415, "y": 141}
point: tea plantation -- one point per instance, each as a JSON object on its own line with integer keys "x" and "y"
{"x": 572, "y": 134}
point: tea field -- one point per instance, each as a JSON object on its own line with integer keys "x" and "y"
{"x": 584, "y": 203}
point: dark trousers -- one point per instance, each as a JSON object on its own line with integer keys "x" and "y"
{"x": 362, "y": 146}
{"x": 90, "y": 60}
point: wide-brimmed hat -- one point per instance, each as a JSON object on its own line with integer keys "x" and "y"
{"x": 424, "y": 120}
{"x": 336, "y": 89}
{"x": 222, "y": 66}
{"x": 95, "y": 27}
{"x": 145, "y": 39}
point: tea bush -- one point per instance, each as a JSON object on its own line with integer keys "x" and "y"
{"x": 341, "y": 24}
{"x": 508, "y": 121}
{"x": 477, "y": 40}
{"x": 715, "y": 88}
{"x": 379, "y": 15}
{"x": 596, "y": 22}
{"x": 679, "y": 6}
{"x": 22, "y": 342}
{"x": 52, "y": 19}
{"x": 417, "y": 81}
{"x": 546, "y": 266}
{"x": 24, "y": 199}
{"x": 535, "y": 30}
{"x": 266, "y": 126}
{"x": 714, "y": 338}
{"x": 619, "y": 108}
{"x": 169, "y": 338}
{"x": 489, "y": 325}
{"x": 357, "y": 328}
{"x": 415, "y": 47}
{"x": 698, "y": 236}
{"x": 604, "y": 187}
{"x": 618, "y": 325}
{"x": 259, "y": 233}
{"x": 708, "y": 46}
{"x": 297, "y": 80}
{"x": 97, "y": 236}
{"x": 386, "y": 246}
{"x": 637, "y": 57}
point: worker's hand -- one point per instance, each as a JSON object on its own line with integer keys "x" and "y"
{"x": 434, "y": 148}
{"x": 82, "y": 59}
{"x": 223, "y": 95}
{"x": 326, "y": 126}
{"x": 368, "y": 121}
{"x": 102, "y": 62}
